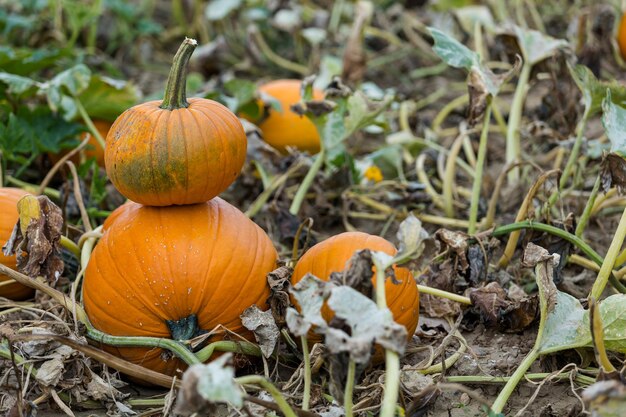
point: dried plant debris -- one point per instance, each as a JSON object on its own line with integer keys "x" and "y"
{"x": 204, "y": 387}
{"x": 265, "y": 330}
{"x": 498, "y": 310}
{"x": 35, "y": 238}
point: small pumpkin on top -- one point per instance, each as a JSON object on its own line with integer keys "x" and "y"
{"x": 175, "y": 151}
{"x": 9, "y": 215}
{"x": 332, "y": 255}
{"x": 284, "y": 127}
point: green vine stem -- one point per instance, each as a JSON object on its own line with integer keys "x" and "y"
{"x": 175, "y": 89}
{"x": 480, "y": 163}
{"x": 573, "y": 157}
{"x": 511, "y": 244}
{"x": 306, "y": 395}
{"x": 609, "y": 260}
{"x": 573, "y": 239}
{"x": 347, "y": 395}
{"x": 509, "y": 387}
{"x": 272, "y": 56}
{"x": 484, "y": 379}
{"x": 513, "y": 146}
{"x": 449, "y": 176}
{"x": 32, "y": 188}
{"x": 306, "y": 183}
{"x": 285, "y": 408}
{"x": 243, "y": 347}
{"x": 72, "y": 247}
{"x": 92, "y": 128}
{"x": 173, "y": 346}
{"x": 423, "y": 289}
{"x": 586, "y": 215}
{"x": 392, "y": 359}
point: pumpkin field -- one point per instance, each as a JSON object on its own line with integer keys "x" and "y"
{"x": 312, "y": 208}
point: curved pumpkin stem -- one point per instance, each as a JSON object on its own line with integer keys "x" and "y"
{"x": 175, "y": 89}
{"x": 185, "y": 328}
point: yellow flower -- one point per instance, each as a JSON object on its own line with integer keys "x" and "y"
{"x": 373, "y": 173}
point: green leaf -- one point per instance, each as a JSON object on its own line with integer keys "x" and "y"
{"x": 37, "y": 131}
{"x": 106, "y": 98}
{"x": 26, "y": 61}
{"x": 453, "y": 52}
{"x": 536, "y": 46}
{"x": 18, "y": 84}
{"x": 614, "y": 122}
{"x": 60, "y": 90}
{"x": 613, "y": 313}
{"x": 594, "y": 90}
{"x": 244, "y": 91}
{"x": 565, "y": 326}
{"x": 73, "y": 80}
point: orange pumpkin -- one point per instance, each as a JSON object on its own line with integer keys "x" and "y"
{"x": 332, "y": 255}
{"x": 287, "y": 128}
{"x": 93, "y": 149}
{"x": 8, "y": 207}
{"x": 175, "y": 151}
{"x": 621, "y": 36}
{"x": 158, "y": 267}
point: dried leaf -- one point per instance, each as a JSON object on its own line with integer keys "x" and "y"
{"x": 358, "y": 275}
{"x": 309, "y": 293}
{"x": 204, "y": 386}
{"x": 499, "y": 311}
{"x": 35, "y": 238}
{"x": 413, "y": 239}
{"x": 457, "y": 241}
{"x": 368, "y": 325}
{"x": 605, "y": 399}
{"x": 354, "y": 57}
{"x": 544, "y": 264}
{"x": 278, "y": 281}
{"x": 265, "y": 330}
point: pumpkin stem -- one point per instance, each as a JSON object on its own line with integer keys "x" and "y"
{"x": 185, "y": 328}
{"x": 175, "y": 89}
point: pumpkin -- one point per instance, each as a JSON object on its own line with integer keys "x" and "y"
{"x": 93, "y": 148}
{"x": 332, "y": 255}
{"x": 286, "y": 128}
{"x": 157, "y": 270}
{"x": 175, "y": 151}
{"x": 621, "y": 36}
{"x": 8, "y": 207}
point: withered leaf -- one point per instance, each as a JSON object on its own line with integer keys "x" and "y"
{"x": 36, "y": 238}
{"x": 279, "y": 302}
{"x": 204, "y": 386}
{"x": 499, "y": 311}
{"x": 265, "y": 330}
{"x": 354, "y": 57}
{"x": 358, "y": 275}
{"x": 457, "y": 241}
{"x": 368, "y": 325}
{"x": 544, "y": 264}
{"x": 310, "y": 293}
{"x": 605, "y": 398}
{"x": 613, "y": 172}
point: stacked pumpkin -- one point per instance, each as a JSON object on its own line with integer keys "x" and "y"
{"x": 176, "y": 261}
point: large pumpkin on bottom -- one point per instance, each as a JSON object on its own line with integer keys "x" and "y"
{"x": 175, "y": 151}
{"x": 333, "y": 254}
{"x": 8, "y": 217}
{"x": 286, "y": 128}
{"x": 156, "y": 268}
